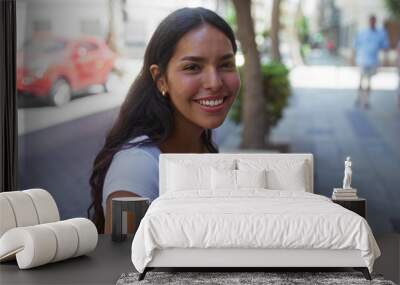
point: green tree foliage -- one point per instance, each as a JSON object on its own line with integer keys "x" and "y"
{"x": 394, "y": 7}
{"x": 303, "y": 34}
{"x": 230, "y": 17}
{"x": 277, "y": 91}
{"x": 303, "y": 30}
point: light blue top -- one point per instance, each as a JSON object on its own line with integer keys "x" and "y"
{"x": 367, "y": 45}
{"x": 134, "y": 170}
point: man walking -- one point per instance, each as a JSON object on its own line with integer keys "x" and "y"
{"x": 367, "y": 45}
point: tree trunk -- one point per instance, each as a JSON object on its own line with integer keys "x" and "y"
{"x": 295, "y": 42}
{"x": 253, "y": 109}
{"x": 275, "y": 26}
{"x": 111, "y": 38}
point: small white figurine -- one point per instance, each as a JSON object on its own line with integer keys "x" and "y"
{"x": 347, "y": 174}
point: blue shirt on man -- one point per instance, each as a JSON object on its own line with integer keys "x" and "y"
{"x": 367, "y": 44}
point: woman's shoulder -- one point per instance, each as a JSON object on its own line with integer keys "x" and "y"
{"x": 136, "y": 147}
{"x": 133, "y": 169}
{"x": 135, "y": 161}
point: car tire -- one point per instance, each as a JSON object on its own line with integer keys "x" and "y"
{"x": 110, "y": 83}
{"x": 60, "y": 93}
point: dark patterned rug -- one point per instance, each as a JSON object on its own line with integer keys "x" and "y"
{"x": 270, "y": 278}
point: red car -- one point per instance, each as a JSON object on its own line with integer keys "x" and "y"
{"x": 55, "y": 68}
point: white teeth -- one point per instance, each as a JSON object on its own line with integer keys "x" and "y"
{"x": 211, "y": 102}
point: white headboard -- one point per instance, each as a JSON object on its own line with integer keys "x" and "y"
{"x": 166, "y": 157}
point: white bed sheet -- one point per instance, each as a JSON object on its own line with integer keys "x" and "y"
{"x": 252, "y": 218}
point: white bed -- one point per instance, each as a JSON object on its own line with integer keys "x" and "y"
{"x": 248, "y": 226}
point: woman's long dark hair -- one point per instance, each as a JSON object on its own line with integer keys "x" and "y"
{"x": 145, "y": 111}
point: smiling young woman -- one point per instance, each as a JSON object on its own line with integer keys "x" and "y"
{"x": 185, "y": 89}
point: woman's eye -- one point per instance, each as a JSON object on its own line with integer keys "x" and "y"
{"x": 192, "y": 67}
{"x": 228, "y": 65}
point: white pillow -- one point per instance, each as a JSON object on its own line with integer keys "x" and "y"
{"x": 251, "y": 178}
{"x": 186, "y": 174}
{"x": 281, "y": 174}
{"x": 289, "y": 179}
{"x": 183, "y": 178}
{"x": 223, "y": 179}
{"x": 226, "y": 179}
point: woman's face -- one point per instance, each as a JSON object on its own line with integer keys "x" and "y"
{"x": 201, "y": 78}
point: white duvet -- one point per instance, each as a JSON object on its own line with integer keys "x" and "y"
{"x": 252, "y": 218}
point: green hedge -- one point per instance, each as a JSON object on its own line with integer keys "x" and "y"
{"x": 277, "y": 91}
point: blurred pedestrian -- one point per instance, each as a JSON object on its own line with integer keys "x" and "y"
{"x": 367, "y": 45}
{"x": 330, "y": 46}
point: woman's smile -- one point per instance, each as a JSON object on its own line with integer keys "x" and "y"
{"x": 213, "y": 104}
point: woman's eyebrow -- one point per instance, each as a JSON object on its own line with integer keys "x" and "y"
{"x": 201, "y": 59}
{"x": 227, "y": 56}
{"x": 193, "y": 58}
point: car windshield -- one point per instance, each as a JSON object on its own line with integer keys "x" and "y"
{"x": 43, "y": 46}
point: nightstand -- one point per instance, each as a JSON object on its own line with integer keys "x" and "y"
{"x": 137, "y": 205}
{"x": 358, "y": 206}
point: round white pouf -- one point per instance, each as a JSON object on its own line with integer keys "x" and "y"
{"x": 87, "y": 233}
{"x": 40, "y": 244}
{"x": 33, "y": 246}
{"x": 67, "y": 240}
{"x": 46, "y": 207}
{"x": 31, "y": 232}
{"x": 7, "y": 218}
{"x": 23, "y": 208}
